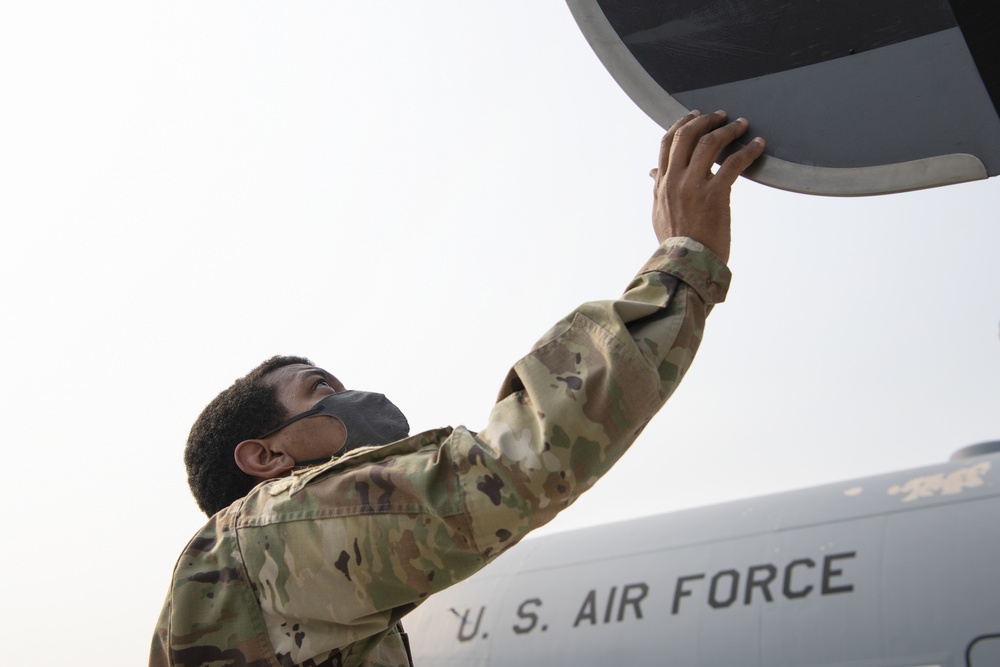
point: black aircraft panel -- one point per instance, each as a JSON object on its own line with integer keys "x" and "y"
{"x": 854, "y": 97}
{"x": 980, "y": 23}
{"x": 690, "y": 44}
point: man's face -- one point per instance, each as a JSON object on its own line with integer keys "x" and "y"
{"x": 299, "y": 388}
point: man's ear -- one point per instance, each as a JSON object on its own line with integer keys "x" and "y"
{"x": 257, "y": 459}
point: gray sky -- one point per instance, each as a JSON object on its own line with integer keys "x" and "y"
{"x": 409, "y": 194}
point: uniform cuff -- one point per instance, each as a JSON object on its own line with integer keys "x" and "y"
{"x": 694, "y": 264}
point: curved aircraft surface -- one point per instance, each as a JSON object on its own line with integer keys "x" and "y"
{"x": 854, "y": 97}
{"x": 897, "y": 570}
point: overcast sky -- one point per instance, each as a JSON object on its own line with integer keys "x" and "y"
{"x": 409, "y": 194}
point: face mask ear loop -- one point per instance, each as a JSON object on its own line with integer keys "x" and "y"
{"x": 312, "y": 462}
{"x": 291, "y": 420}
{"x": 325, "y": 459}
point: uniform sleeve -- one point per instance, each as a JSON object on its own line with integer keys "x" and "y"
{"x": 339, "y": 553}
{"x": 569, "y": 409}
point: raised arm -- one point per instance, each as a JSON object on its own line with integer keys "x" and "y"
{"x": 574, "y": 405}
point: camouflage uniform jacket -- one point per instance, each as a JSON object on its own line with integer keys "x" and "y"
{"x": 319, "y": 567}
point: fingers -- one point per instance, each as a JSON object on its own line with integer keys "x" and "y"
{"x": 667, "y": 142}
{"x": 699, "y": 144}
{"x": 735, "y": 164}
{"x": 706, "y": 151}
{"x": 687, "y": 138}
{"x": 694, "y": 142}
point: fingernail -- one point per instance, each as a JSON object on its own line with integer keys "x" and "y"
{"x": 695, "y": 112}
{"x": 720, "y": 112}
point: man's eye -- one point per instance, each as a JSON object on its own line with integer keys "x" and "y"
{"x": 321, "y": 383}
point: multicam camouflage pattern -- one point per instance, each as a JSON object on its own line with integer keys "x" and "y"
{"x": 319, "y": 567}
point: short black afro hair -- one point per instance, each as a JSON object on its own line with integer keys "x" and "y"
{"x": 248, "y": 408}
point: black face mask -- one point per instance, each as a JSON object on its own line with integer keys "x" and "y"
{"x": 369, "y": 418}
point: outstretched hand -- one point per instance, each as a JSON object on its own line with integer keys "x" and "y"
{"x": 688, "y": 199}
